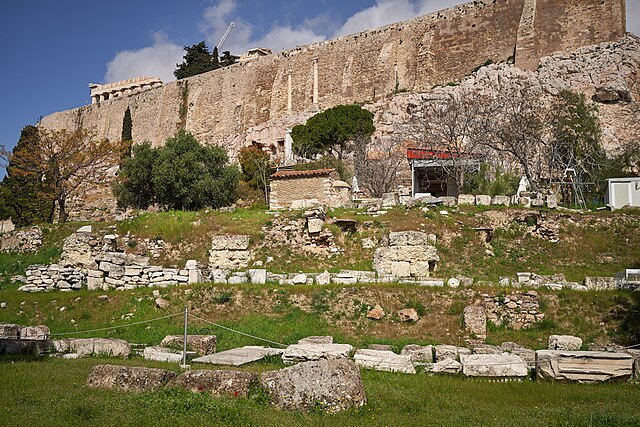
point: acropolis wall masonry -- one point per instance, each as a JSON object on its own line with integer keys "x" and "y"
{"x": 219, "y": 106}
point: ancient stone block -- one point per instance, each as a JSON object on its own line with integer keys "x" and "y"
{"x": 501, "y": 201}
{"x": 258, "y": 276}
{"x": 449, "y": 352}
{"x": 201, "y": 344}
{"x": 483, "y": 200}
{"x": 127, "y": 378}
{"x": 493, "y": 365}
{"x": 333, "y": 385}
{"x": 376, "y": 313}
{"x": 564, "y": 342}
{"x": 466, "y": 199}
{"x": 217, "y": 383}
{"x": 446, "y": 366}
{"x": 9, "y": 331}
{"x": 40, "y": 333}
{"x": 323, "y": 278}
{"x": 475, "y": 320}
{"x": 314, "y": 225}
{"x": 419, "y": 354}
{"x": 304, "y": 352}
{"x": 384, "y": 361}
{"x": 583, "y": 366}
{"x": 239, "y": 356}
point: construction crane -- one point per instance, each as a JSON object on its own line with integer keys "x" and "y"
{"x": 226, "y": 34}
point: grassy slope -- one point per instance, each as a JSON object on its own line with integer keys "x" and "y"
{"x": 52, "y": 393}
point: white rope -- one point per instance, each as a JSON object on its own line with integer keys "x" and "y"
{"x": 118, "y": 326}
{"x": 238, "y": 332}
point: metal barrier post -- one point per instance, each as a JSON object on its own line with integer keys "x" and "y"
{"x": 184, "y": 344}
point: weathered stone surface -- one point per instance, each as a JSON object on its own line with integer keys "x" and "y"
{"x": 9, "y": 331}
{"x": 126, "y": 378}
{"x": 376, "y": 313}
{"x": 316, "y": 339}
{"x": 162, "y": 303}
{"x": 419, "y": 354}
{"x": 258, "y": 276}
{"x": 483, "y": 200}
{"x": 25, "y": 347}
{"x": 93, "y": 346}
{"x": 493, "y": 365}
{"x": 230, "y": 242}
{"x": 202, "y": 344}
{"x": 446, "y": 366}
{"x": 475, "y": 320}
{"x": 450, "y": 352}
{"x": 299, "y": 279}
{"x": 564, "y": 342}
{"x": 161, "y": 354}
{"x": 583, "y": 366}
{"x": 600, "y": 283}
{"x": 466, "y": 199}
{"x": 334, "y": 385}
{"x": 408, "y": 254}
{"x": 408, "y": 315}
{"x": 501, "y": 201}
{"x": 380, "y": 360}
{"x": 40, "y": 332}
{"x": 323, "y": 278}
{"x": 307, "y": 351}
{"x": 239, "y": 356}
{"x": 217, "y": 383}
{"x": 314, "y": 225}
{"x": 382, "y": 347}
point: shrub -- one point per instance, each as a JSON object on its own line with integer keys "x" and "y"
{"x": 182, "y": 175}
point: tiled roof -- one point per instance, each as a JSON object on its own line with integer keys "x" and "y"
{"x": 301, "y": 174}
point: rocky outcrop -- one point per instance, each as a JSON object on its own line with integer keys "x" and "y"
{"x": 406, "y": 254}
{"x": 331, "y": 385}
{"x": 217, "y": 383}
{"x": 126, "y": 378}
{"x": 583, "y": 366}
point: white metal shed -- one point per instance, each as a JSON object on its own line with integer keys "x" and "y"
{"x": 622, "y": 192}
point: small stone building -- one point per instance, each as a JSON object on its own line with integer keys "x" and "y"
{"x": 301, "y": 189}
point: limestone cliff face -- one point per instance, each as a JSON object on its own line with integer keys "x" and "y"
{"x": 220, "y": 106}
{"x": 610, "y": 68}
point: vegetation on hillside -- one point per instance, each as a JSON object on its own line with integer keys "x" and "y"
{"x": 198, "y": 60}
{"x": 182, "y": 174}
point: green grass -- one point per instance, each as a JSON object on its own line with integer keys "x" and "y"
{"x": 53, "y": 393}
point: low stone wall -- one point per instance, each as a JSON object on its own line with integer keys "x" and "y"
{"x": 42, "y": 278}
{"x": 230, "y": 252}
{"x": 22, "y": 240}
{"x": 24, "y": 340}
{"x": 517, "y": 310}
{"x": 408, "y": 254}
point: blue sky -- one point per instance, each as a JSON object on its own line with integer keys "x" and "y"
{"x": 53, "y": 49}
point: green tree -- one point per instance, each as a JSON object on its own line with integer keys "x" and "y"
{"x": 197, "y": 60}
{"x": 227, "y": 58}
{"x": 66, "y": 162}
{"x": 127, "y": 133}
{"x": 181, "y": 175}
{"x": 333, "y": 130}
{"x": 134, "y": 187}
{"x": 26, "y": 198}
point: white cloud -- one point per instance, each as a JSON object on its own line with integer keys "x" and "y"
{"x": 157, "y": 60}
{"x": 217, "y": 18}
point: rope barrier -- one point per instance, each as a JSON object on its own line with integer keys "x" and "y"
{"x": 118, "y": 326}
{"x": 238, "y": 332}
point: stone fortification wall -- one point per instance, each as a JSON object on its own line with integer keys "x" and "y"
{"x": 219, "y": 106}
{"x": 549, "y": 26}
